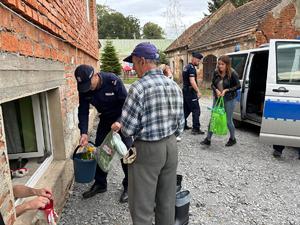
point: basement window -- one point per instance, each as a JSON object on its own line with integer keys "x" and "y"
{"x": 27, "y": 133}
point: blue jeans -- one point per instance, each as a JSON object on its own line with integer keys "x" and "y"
{"x": 229, "y": 107}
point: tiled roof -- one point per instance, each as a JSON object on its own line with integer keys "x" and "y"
{"x": 241, "y": 22}
{"x": 186, "y": 37}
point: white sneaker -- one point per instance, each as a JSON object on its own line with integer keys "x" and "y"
{"x": 178, "y": 139}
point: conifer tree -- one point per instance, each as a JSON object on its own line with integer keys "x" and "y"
{"x": 109, "y": 59}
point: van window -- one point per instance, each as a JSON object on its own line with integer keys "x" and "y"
{"x": 238, "y": 64}
{"x": 288, "y": 63}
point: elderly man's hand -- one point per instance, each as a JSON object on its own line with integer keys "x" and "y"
{"x": 116, "y": 126}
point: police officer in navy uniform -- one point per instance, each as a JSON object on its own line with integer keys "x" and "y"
{"x": 106, "y": 92}
{"x": 191, "y": 93}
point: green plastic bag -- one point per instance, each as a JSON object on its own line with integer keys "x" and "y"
{"x": 218, "y": 121}
{"x": 111, "y": 148}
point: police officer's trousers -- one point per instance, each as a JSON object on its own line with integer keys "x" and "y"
{"x": 191, "y": 105}
{"x": 101, "y": 176}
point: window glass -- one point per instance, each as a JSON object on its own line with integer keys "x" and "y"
{"x": 19, "y": 126}
{"x": 288, "y": 63}
{"x": 238, "y": 63}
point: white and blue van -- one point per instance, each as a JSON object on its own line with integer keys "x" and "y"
{"x": 270, "y": 93}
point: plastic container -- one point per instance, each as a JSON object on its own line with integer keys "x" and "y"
{"x": 84, "y": 170}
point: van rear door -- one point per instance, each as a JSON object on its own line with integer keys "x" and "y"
{"x": 281, "y": 116}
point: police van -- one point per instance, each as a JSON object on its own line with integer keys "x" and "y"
{"x": 270, "y": 93}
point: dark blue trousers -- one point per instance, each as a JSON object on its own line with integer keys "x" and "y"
{"x": 101, "y": 176}
{"x": 191, "y": 105}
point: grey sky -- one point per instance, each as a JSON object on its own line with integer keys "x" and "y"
{"x": 190, "y": 11}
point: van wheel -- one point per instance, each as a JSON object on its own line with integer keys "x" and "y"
{"x": 237, "y": 123}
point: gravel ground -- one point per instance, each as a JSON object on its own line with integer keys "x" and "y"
{"x": 240, "y": 185}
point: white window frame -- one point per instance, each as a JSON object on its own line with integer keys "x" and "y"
{"x": 38, "y": 131}
{"x": 48, "y": 140}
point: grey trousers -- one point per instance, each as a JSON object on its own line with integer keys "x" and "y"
{"x": 152, "y": 182}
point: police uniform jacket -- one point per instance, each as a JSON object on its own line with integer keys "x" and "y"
{"x": 108, "y": 100}
{"x": 188, "y": 71}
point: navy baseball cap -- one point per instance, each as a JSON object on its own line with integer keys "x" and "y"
{"x": 197, "y": 55}
{"x": 83, "y": 75}
{"x": 144, "y": 49}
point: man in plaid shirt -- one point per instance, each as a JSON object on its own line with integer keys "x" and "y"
{"x": 153, "y": 115}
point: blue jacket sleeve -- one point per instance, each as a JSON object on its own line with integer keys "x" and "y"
{"x": 83, "y": 114}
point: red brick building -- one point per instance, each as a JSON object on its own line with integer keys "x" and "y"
{"x": 247, "y": 26}
{"x": 41, "y": 43}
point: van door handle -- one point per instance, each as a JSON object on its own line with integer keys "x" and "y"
{"x": 281, "y": 89}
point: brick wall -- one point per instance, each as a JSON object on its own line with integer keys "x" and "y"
{"x": 6, "y": 197}
{"x": 75, "y": 42}
{"x": 66, "y": 19}
{"x": 279, "y": 24}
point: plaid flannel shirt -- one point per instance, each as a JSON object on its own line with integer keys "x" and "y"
{"x": 153, "y": 108}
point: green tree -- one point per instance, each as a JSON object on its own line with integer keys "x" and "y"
{"x": 162, "y": 57}
{"x": 113, "y": 24}
{"x": 152, "y": 31}
{"x": 133, "y": 28}
{"x": 213, "y": 5}
{"x": 109, "y": 59}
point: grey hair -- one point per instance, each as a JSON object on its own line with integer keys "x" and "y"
{"x": 152, "y": 61}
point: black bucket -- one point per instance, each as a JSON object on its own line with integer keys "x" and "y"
{"x": 84, "y": 170}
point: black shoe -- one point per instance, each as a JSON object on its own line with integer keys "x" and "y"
{"x": 197, "y": 131}
{"x": 124, "y": 196}
{"x": 277, "y": 154}
{"x": 187, "y": 127}
{"x": 95, "y": 189}
{"x": 230, "y": 142}
{"x": 205, "y": 142}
